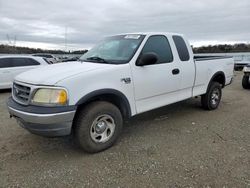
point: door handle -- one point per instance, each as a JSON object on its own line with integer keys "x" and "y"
{"x": 175, "y": 71}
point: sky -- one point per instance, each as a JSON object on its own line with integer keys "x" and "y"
{"x": 45, "y": 23}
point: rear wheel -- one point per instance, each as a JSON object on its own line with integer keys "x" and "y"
{"x": 211, "y": 100}
{"x": 245, "y": 82}
{"x": 97, "y": 126}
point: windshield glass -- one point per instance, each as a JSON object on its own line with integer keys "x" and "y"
{"x": 114, "y": 50}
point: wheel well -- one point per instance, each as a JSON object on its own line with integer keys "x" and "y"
{"x": 119, "y": 101}
{"x": 220, "y": 78}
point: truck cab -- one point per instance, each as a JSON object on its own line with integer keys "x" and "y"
{"x": 122, "y": 76}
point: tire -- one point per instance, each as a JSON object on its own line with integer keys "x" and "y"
{"x": 211, "y": 100}
{"x": 97, "y": 126}
{"x": 245, "y": 82}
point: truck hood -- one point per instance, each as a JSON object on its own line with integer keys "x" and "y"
{"x": 51, "y": 74}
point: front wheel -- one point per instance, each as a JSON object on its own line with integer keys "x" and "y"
{"x": 97, "y": 126}
{"x": 211, "y": 100}
{"x": 245, "y": 82}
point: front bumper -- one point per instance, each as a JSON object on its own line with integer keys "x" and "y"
{"x": 44, "y": 121}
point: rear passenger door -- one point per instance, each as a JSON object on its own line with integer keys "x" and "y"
{"x": 20, "y": 65}
{"x": 156, "y": 85}
{"x": 23, "y": 64}
{"x": 186, "y": 66}
{"x": 5, "y": 73}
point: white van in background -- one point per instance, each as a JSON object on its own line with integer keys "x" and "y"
{"x": 11, "y": 66}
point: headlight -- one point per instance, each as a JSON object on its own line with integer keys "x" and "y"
{"x": 48, "y": 96}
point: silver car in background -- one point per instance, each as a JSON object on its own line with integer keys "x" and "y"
{"x": 49, "y": 57}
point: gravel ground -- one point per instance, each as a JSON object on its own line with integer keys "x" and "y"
{"x": 180, "y": 145}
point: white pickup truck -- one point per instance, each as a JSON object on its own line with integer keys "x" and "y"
{"x": 122, "y": 76}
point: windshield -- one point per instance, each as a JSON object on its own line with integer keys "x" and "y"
{"x": 114, "y": 50}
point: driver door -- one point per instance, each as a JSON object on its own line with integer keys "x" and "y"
{"x": 158, "y": 84}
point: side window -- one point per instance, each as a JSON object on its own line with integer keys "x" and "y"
{"x": 5, "y": 63}
{"x": 18, "y": 62}
{"x": 31, "y": 62}
{"x": 47, "y": 56}
{"x": 159, "y": 44}
{"x": 21, "y": 62}
{"x": 181, "y": 48}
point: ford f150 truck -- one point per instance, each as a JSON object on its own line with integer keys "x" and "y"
{"x": 122, "y": 76}
{"x": 246, "y": 77}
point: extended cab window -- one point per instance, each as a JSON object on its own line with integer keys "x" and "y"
{"x": 159, "y": 44}
{"x": 181, "y": 48}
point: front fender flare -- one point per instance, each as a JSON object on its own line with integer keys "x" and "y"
{"x": 100, "y": 92}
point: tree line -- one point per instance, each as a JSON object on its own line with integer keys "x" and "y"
{"x": 222, "y": 48}
{"x": 7, "y": 49}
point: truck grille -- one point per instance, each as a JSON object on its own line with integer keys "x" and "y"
{"x": 21, "y": 93}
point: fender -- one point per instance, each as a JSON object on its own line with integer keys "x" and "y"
{"x": 219, "y": 73}
{"x": 101, "y": 92}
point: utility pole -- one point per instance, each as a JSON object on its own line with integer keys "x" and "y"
{"x": 10, "y": 42}
{"x": 66, "y": 30}
{"x": 8, "y": 39}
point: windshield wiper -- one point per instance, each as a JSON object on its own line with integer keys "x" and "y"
{"x": 98, "y": 59}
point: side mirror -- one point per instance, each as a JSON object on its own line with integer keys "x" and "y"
{"x": 149, "y": 58}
